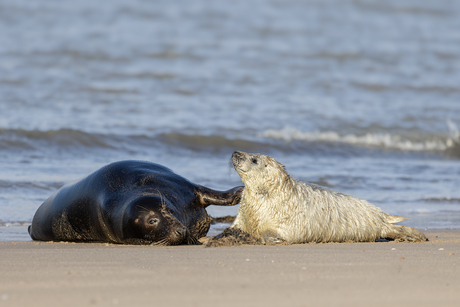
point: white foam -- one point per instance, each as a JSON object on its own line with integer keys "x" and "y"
{"x": 384, "y": 140}
{"x": 454, "y": 133}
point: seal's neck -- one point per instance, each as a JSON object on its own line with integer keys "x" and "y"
{"x": 279, "y": 185}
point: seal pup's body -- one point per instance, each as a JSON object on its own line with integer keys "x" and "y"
{"x": 274, "y": 205}
{"x": 129, "y": 202}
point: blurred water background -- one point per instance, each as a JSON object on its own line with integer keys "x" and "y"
{"x": 360, "y": 96}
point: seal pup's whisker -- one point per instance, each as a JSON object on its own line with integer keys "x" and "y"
{"x": 231, "y": 168}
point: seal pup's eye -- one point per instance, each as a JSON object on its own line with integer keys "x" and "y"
{"x": 153, "y": 221}
{"x": 254, "y": 160}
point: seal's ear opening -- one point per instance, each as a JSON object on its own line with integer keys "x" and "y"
{"x": 275, "y": 164}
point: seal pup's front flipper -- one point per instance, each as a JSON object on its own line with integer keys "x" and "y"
{"x": 206, "y": 196}
{"x": 272, "y": 236}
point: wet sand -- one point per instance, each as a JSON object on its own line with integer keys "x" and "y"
{"x": 357, "y": 274}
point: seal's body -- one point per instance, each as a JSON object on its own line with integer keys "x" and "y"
{"x": 130, "y": 202}
{"x": 274, "y": 205}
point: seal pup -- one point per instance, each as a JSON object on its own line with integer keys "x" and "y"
{"x": 130, "y": 202}
{"x": 275, "y": 206}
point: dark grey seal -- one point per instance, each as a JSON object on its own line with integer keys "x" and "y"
{"x": 129, "y": 202}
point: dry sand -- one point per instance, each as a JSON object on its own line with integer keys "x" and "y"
{"x": 352, "y": 274}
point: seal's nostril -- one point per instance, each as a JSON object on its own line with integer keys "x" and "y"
{"x": 237, "y": 155}
{"x": 182, "y": 231}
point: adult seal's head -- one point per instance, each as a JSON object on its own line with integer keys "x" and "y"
{"x": 274, "y": 206}
{"x": 151, "y": 219}
{"x": 129, "y": 202}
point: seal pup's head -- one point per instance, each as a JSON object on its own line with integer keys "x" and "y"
{"x": 151, "y": 220}
{"x": 258, "y": 170}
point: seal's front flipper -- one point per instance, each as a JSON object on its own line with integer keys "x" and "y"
{"x": 206, "y": 197}
{"x": 271, "y": 236}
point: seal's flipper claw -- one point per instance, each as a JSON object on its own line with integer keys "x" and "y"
{"x": 206, "y": 197}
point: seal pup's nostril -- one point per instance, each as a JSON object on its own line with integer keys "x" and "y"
{"x": 238, "y": 156}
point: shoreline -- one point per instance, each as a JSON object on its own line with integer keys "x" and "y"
{"x": 19, "y": 233}
{"x": 346, "y": 274}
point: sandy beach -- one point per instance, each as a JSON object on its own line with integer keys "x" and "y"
{"x": 357, "y": 274}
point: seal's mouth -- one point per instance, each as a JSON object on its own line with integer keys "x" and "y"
{"x": 178, "y": 236}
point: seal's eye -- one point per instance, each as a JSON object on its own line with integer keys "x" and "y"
{"x": 153, "y": 221}
{"x": 254, "y": 160}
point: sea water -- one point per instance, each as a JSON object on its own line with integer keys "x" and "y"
{"x": 362, "y": 97}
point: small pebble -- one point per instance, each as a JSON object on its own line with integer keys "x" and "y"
{"x": 441, "y": 249}
{"x": 247, "y": 259}
{"x": 451, "y": 254}
{"x": 402, "y": 258}
{"x": 393, "y": 249}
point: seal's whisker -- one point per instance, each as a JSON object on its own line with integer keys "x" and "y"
{"x": 162, "y": 242}
{"x": 231, "y": 168}
{"x": 146, "y": 210}
{"x": 162, "y": 199}
{"x": 192, "y": 240}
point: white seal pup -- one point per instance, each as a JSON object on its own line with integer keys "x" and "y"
{"x": 275, "y": 206}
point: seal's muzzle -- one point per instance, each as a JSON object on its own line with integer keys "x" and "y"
{"x": 238, "y": 157}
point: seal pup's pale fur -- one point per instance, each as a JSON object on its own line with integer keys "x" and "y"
{"x": 275, "y": 206}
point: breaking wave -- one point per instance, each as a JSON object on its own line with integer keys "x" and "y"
{"x": 375, "y": 140}
{"x": 287, "y": 139}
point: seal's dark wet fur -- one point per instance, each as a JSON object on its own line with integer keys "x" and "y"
{"x": 130, "y": 202}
